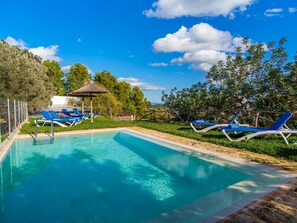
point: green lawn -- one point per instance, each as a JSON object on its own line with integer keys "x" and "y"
{"x": 270, "y": 145}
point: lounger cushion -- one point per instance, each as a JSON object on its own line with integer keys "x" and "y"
{"x": 202, "y": 122}
{"x": 243, "y": 129}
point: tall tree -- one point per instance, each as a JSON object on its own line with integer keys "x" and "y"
{"x": 107, "y": 104}
{"x": 123, "y": 93}
{"x": 106, "y": 79}
{"x": 56, "y": 75}
{"x": 23, "y": 77}
{"x": 78, "y": 77}
{"x": 130, "y": 99}
{"x": 255, "y": 78}
{"x": 140, "y": 103}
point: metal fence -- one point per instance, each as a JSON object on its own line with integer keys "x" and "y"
{"x": 12, "y": 114}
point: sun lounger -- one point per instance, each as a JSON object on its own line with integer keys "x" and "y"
{"x": 213, "y": 125}
{"x": 76, "y": 111}
{"x": 71, "y": 115}
{"x": 278, "y": 128}
{"x": 47, "y": 118}
{"x": 73, "y": 120}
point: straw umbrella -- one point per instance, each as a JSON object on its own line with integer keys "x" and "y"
{"x": 88, "y": 91}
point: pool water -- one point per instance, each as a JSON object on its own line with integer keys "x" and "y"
{"x": 104, "y": 177}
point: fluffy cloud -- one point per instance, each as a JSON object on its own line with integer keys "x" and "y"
{"x": 292, "y": 10}
{"x": 199, "y": 37}
{"x": 201, "y": 60}
{"x": 13, "y": 42}
{"x": 202, "y": 45}
{"x": 158, "y": 64}
{"x": 46, "y": 53}
{"x": 273, "y": 12}
{"x": 177, "y": 8}
{"x": 143, "y": 86}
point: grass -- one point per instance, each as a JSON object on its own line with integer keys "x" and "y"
{"x": 3, "y": 137}
{"x": 270, "y": 145}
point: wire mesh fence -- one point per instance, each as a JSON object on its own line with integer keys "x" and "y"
{"x": 12, "y": 114}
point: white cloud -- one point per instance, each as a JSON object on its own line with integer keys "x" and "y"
{"x": 198, "y": 8}
{"x": 292, "y": 10}
{"x": 78, "y": 40}
{"x": 202, "y": 45}
{"x": 273, "y": 12}
{"x": 46, "y": 53}
{"x": 143, "y": 86}
{"x": 158, "y": 64}
{"x": 13, "y": 42}
{"x": 202, "y": 59}
{"x": 66, "y": 69}
{"x": 200, "y": 36}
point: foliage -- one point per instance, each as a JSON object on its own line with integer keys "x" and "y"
{"x": 131, "y": 99}
{"x": 270, "y": 145}
{"x": 77, "y": 77}
{"x": 106, "y": 79}
{"x": 140, "y": 103}
{"x": 107, "y": 104}
{"x": 24, "y": 77}
{"x": 56, "y": 75}
{"x": 256, "y": 78}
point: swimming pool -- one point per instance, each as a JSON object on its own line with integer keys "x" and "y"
{"x": 123, "y": 176}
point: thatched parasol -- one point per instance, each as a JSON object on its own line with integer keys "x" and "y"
{"x": 88, "y": 91}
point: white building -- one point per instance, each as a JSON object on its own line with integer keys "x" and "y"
{"x": 59, "y": 102}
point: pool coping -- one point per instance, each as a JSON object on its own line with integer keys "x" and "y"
{"x": 287, "y": 176}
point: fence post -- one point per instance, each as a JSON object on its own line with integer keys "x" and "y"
{"x": 14, "y": 113}
{"x": 27, "y": 111}
{"x": 8, "y": 117}
{"x": 0, "y": 136}
{"x": 19, "y": 113}
{"x": 257, "y": 120}
{"x": 22, "y": 113}
{"x": 0, "y": 130}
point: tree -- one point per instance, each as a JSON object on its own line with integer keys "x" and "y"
{"x": 107, "y": 104}
{"x": 256, "y": 78}
{"x": 56, "y": 75}
{"x": 106, "y": 79}
{"x": 137, "y": 97}
{"x": 77, "y": 77}
{"x": 23, "y": 77}
{"x": 122, "y": 92}
{"x": 131, "y": 99}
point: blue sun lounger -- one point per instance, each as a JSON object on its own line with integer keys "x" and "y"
{"x": 77, "y": 112}
{"x": 56, "y": 116}
{"x": 213, "y": 125}
{"x": 279, "y": 127}
{"x": 67, "y": 113}
{"x": 47, "y": 118}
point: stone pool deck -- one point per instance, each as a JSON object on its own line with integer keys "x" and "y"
{"x": 278, "y": 206}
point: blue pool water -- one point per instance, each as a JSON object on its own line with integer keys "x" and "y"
{"x": 103, "y": 177}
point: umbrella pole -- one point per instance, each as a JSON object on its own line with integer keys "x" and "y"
{"x": 91, "y": 108}
{"x": 83, "y": 105}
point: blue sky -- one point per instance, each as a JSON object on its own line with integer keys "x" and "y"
{"x": 155, "y": 44}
